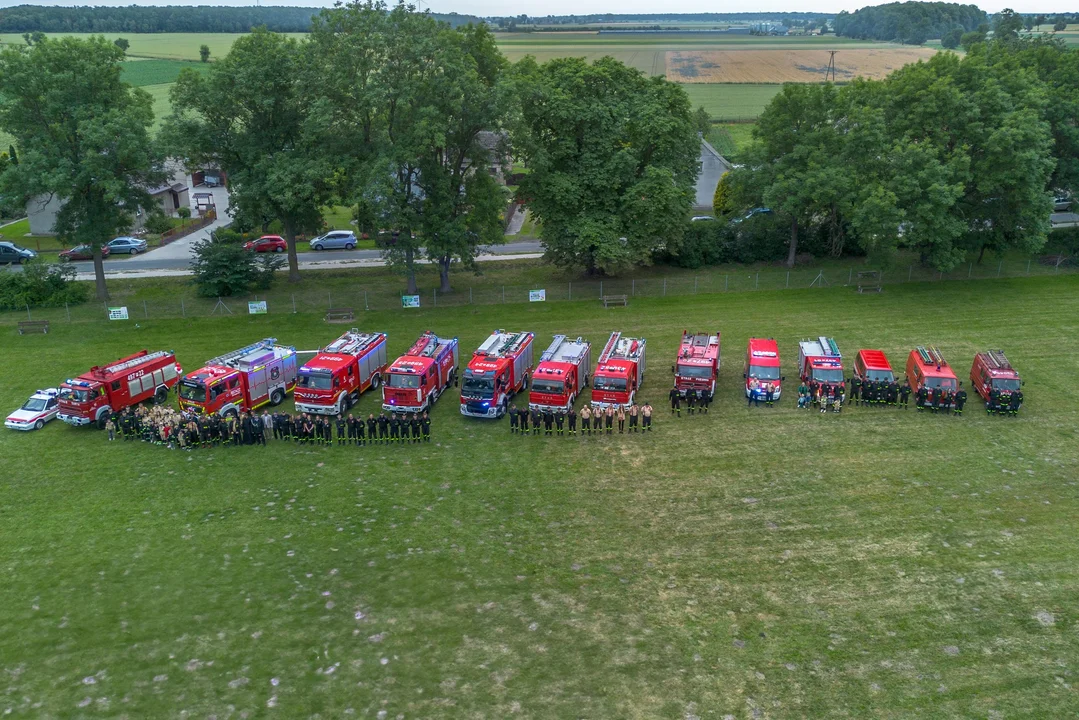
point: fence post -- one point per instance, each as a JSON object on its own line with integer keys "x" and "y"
{"x": 503, "y": 294}
{"x": 469, "y": 294}
{"x": 694, "y": 284}
{"x": 294, "y": 304}
{"x": 329, "y": 298}
{"x": 68, "y": 311}
{"x": 758, "y": 284}
{"x": 28, "y": 312}
{"x": 970, "y": 270}
{"x": 1028, "y": 267}
{"x": 910, "y": 272}
{"x": 664, "y": 287}
{"x": 725, "y": 279}
{"x": 941, "y": 278}
{"x": 999, "y": 266}
{"x": 569, "y": 291}
{"x": 367, "y": 307}
{"x": 633, "y": 287}
{"x": 601, "y": 288}
{"x": 183, "y": 313}
{"x": 850, "y": 276}
{"x": 435, "y": 293}
{"x": 788, "y": 279}
{"x": 145, "y": 310}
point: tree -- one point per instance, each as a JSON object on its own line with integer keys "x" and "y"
{"x": 613, "y": 159}
{"x": 122, "y": 43}
{"x": 84, "y": 137}
{"x": 1007, "y": 25}
{"x": 249, "y": 115}
{"x": 702, "y": 120}
{"x": 1039, "y": 20}
{"x": 184, "y": 213}
{"x": 952, "y": 38}
{"x": 1060, "y": 25}
{"x": 204, "y": 53}
{"x": 972, "y": 38}
{"x": 222, "y": 267}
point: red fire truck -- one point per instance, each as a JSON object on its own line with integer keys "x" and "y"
{"x": 241, "y": 380}
{"x": 820, "y": 361}
{"x": 697, "y": 365}
{"x": 873, "y": 365}
{"x": 762, "y": 365}
{"x": 498, "y": 369}
{"x": 619, "y": 373}
{"x": 561, "y": 374}
{"x": 92, "y": 396}
{"x": 332, "y": 381}
{"x": 926, "y": 367}
{"x": 992, "y": 371}
{"x": 420, "y": 376}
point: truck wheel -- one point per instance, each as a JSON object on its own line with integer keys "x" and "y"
{"x": 161, "y": 395}
{"x": 277, "y": 397}
{"x": 102, "y": 419}
{"x": 231, "y": 412}
{"x": 585, "y": 381}
{"x": 375, "y": 381}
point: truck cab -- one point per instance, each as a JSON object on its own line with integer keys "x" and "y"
{"x": 419, "y": 377}
{"x": 697, "y": 364}
{"x": 820, "y": 361}
{"x": 499, "y": 369}
{"x": 561, "y": 374}
{"x": 927, "y": 368}
{"x": 762, "y": 364}
{"x": 992, "y": 371}
{"x": 620, "y": 372}
{"x": 81, "y": 401}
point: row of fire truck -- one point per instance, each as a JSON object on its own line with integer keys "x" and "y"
{"x": 331, "y": 382}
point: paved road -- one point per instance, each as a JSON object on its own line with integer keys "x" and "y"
{"x": 1064, "y": 219}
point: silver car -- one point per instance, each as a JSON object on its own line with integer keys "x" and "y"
{"x": 129, "y": 245}
{"x": 335, "y": 240}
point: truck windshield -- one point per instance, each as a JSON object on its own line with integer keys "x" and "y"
{"x": 884, "y": 375}
{"x": 935, "y": 382}
{"x": 828, "y": 376}
{"x": 314, "y": 380}
{"x": 79, "y": 395}
{"x": 403, "y": 380}
{"x": 764, "y": 372}
{"x": 1008, "y": 384}
{"x": 603, "y": 382}
{"x": 193, "y": 391}
{"x": 481, "y": 385}
{"x": 554, "y": 387}
{"x": 695, "y": 371}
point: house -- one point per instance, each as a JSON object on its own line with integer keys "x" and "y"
{"x": 497, "y": 145}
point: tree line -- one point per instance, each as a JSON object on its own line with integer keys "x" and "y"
{"x": 167, "y": 19}
{"x": 911, "y": 23}
{"x": 951, "y": 156}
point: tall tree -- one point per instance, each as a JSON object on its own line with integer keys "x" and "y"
{"x": 249, "y": 115}
{"x": 613, "y": 157}
{"x": 83, "y": 138}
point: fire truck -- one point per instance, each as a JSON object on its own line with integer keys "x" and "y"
{"x": 697, "y": 365}
{"x": 619, "y": 373}
{"x": 332, "y": 381}
{"x": 420, "y": 376}
{"x": 762, "y": 364}
{"x": 241, "y": 380}
{"x": 561, "y": 374}
{"x": 94, "y": 395}
{"x": 926, "y": 367}
{"x": 498, "y": 369}
{"x": 992, "y": 371}
{"x": 873, "y": 365}
{"x": 820, "y": 360}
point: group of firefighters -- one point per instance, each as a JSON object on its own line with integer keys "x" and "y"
{"x": 351, "y": 430}
{"x": 592, "y": 420}
{"x": 694, "y": 401}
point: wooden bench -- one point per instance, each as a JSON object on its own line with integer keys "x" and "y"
{"x": 609, "y": 300}
{"x": 873, "y": 281}
{"x": 339, "y": 315}
{"x": 869, "y": 288}
{"x": 41, "y": 326}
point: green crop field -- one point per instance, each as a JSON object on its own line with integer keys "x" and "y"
{"x": 752, "y": 562}
{"x": 171, "y": 46}
{"x": 157, "y": 72}
{"x": 731, "y": 101}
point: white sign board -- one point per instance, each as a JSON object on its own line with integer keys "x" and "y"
{"x": 118, "y": 313}
{"x": 537, "y": 295}
{"x": 410, "y": 301}
{"x": 257, "y": 307}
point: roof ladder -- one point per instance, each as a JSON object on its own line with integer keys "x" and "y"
{"x": 133, "y": 362}
{"x": 235, "y": 355}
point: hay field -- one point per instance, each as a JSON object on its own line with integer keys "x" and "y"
{"x": 779, "y": 66}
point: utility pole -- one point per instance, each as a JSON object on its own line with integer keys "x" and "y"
{"x": 831, "y": 66}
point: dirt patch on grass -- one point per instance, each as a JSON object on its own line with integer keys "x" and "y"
{"x": 778, "y": 66}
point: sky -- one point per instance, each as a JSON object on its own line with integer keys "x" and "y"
{"x": 569, "y": 7}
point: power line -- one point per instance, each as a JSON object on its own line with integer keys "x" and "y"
{"x": 831, "y": 66}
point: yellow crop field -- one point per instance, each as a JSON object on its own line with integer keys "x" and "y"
{"x": 779, "y": 66}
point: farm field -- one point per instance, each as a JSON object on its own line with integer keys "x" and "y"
{"x": 757, "y": 66}
{"x": 751, "y": 562}
{"x": 731, "y": 101}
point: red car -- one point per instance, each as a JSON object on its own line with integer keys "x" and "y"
{"x": 267, "y": 243}
{"x": 82, "y": 252}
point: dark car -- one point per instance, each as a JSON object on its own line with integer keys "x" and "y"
{"x": 267, "y": 243}
{"x": 82, "y": 252}
{"x": 129, "y": 245}
{"x": 10, "y": 253}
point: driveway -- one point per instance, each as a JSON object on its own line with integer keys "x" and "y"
{"x": 180, "y": 250}
{"x": 1064, "y": 219}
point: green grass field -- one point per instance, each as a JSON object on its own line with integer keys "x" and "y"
{"x": 730, "y": 139}
{"x": 158, "y": 72}
{"x": 752, "y": 562}
{"x": 731, "y": 101}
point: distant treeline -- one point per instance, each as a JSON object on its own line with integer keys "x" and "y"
{"x": 167, "y": 19}
{"x": 910, "y": 22}
{"x": 742, "y": 17}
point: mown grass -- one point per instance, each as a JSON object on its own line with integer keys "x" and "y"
{"x": 751, "y": 562}
{"x": 730, "y": 139}
{"x": 158, "y": 72}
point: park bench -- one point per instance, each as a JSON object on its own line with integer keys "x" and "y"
{"x": 41, "y": 326}
{"x": 339, "y": 315}
{"x": 869, "y": 281}
{"x": 609, "y": 300}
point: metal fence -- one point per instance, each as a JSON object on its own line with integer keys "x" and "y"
{"x": 313, "y": 300}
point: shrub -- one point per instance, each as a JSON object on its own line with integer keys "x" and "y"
{"x": 157, "y": 223}
{"x": 758, "y": 239}
{"x": 222, "y": 267}
{"x": 40, "y": 285}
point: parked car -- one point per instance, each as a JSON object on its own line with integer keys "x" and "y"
{"x": 35, "y": 412}
{"x": 211, "y": 181}
{"x": 1062, "y": 202}
{"x": 267, "y": 243}
{"x": 14, "y": 254}
{"x": 335, "y": 240}
{"x": 752, "y": 213}
{"x": 129, "y": 245}
{"x": 82, "y": 252}
{"x": 701, "y": 218}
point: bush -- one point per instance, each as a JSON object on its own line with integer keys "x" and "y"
{"x": 157, "y": 223}
{"x": 40, "y": 285}
{"x": 758, "y": 239}
{"x": 223, "y": 268}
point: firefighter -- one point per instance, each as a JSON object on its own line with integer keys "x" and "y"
{"x": 769, "y": 394}
{"x": 383, "y": 427}
{"x": 751, "y": 396}
{"x": 535, "y": 421}
{"x": 960, "y": 400}
{"x": 691, "y": 401}
{"x": 411, "y": 425}
{"x": 559, "y": 422}
{"x": 919, "y": 399}
{"x": 425, "y": 426}
{"x": 513, "y": 419}
{"x": 706, "y": 401}
{"x": 360, "y": 435}
{"x": 676, "y": 401}
{"x": 341, "y": 426}
{"x": 548, "y": 421}
{"x": 634, "y": 413}
{"x": 936, "y": 399}
{"x": 259, "y": 428}
{"x": 586, "y": 421}
{"x": 646, "y": 417}
{"x": 608, "y": 418}
{"x": 994, "y": 401}
{"x": 838, "y": 393}
{"x": 395, "y": 428}
{"x": 350, "y": 424}
{"x": 1015, "y": 402}
{"x": 855, "y": 388}
{"x": 621, "y": 415}
{"x": 893, "y": 392}
{"x": 904, "y": 393}
{"x": 571, "y": 416}
{"x": 372, "y": 427}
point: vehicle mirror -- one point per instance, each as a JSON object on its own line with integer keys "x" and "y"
{"x": 672, "y": 368}
{"x": 745, "y": 375}
{"x": 782, "y": 378}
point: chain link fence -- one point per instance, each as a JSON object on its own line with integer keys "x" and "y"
{"x": 312, "y": 300}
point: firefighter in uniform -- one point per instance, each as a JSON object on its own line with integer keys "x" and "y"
{"x": 994, "y": 401}
{"x": 904, "y": 393}
{"x": 634, "y": 413}
{"x": 559, "y": 422}
{"x": 372, "y": 427}
{"x": 691, "y": 401}
{"x": 513, "y": 419}
{"x": 351, "y": 425}
{"x": 395, "y": 428}
{"x": 706, "y": 400}
{"x": 414, "y": 425}
{"x": 360, "y": 439}
{"x": 855, "y": 388}
{"x": 425, "y": 426}
{"x": 1015, "y": 402}
{"x": 571, "y": 416}
{"x": 341, "y": 427}
{"x": 646, "y": 415}
{"x": 893, "y": 393}
{"x": 535, "y": 417}
{"x": 383, "y": 427}
{"x": 676, "y": 401}
{"x": 586, "y": 421}
{"x": 548, "y": 421}
{"x": 960, "y": 399}
{"x": 522, "y": 421}
{"x": 919, "y": 399}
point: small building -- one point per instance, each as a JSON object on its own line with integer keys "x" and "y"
{"x": 171, "y": 197}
